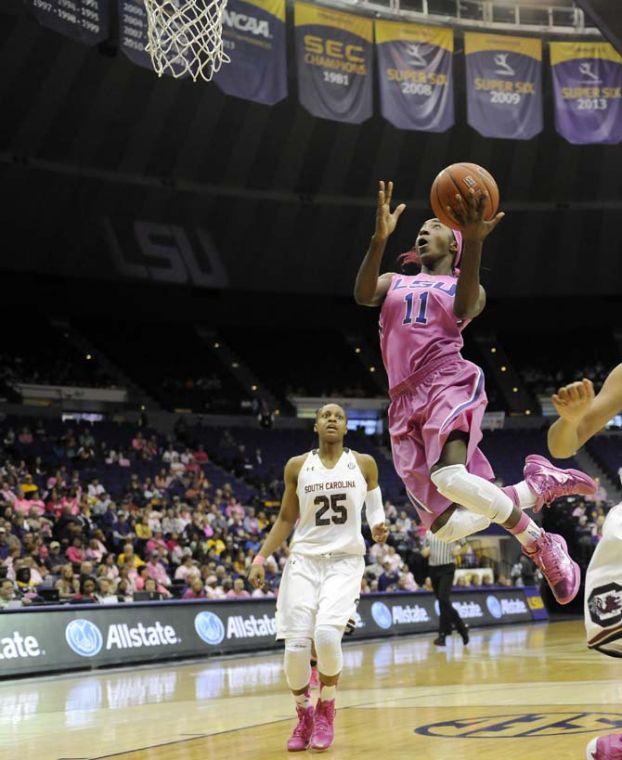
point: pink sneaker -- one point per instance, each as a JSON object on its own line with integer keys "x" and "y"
{"x": 559, "y": 569}
{"x": 549, "y": 482}
{"x": 299, "y": 740}
{"x": 314, "y": 683}
{"x": 605, "y": 748}
{"x": 324, "y": 730}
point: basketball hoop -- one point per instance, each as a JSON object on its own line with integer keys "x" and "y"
{"x": 185, "y": 37}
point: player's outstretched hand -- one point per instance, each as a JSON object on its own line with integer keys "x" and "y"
{"x": 380, "y": 533}
{"x": 469, "y": 216}
{"x": 257, "y": 576}
{"x": 386, "y": 220}
{"x": 572, "y": 401}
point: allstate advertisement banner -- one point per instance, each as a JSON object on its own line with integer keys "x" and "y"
{"x": 87, "y": 636}
{"x": 334, "y": 57}
{"x": 415, "y": 75}
{"x": 254, "y": 38}
{"x": 587, "y": 84}
{"x": 504, "y": 85}
{"x": 87, "y": 21}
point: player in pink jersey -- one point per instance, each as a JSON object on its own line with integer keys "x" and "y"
{"x": 438, "y": 398}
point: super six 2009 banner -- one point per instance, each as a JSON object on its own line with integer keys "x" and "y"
{"x": 504, "y": 85}
{"x": 65, "y": 638}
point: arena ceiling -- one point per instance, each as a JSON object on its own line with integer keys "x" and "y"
{"x": 87, "y": 139}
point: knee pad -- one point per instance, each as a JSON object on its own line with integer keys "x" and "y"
{"x": 461, "y": 524}
{"x": 328, "y": 645}
{"x": 297, "y": 663}
{"x": 474, "y": 493}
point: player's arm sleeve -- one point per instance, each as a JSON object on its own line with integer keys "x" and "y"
{"x": 374, "y": 508}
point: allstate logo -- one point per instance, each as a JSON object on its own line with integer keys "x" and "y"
{"x": 494, "y": 607}
{"x": 209, "y": 628}
{"x": 382, "y": 615}
{"x": 84, "y": 638}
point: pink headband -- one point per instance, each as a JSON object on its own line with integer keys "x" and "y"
{"x": 458, "y": 239}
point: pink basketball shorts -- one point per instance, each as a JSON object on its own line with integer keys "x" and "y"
{"x": 424, "y": 410}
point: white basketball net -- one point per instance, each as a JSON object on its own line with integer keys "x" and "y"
{"x": 185, "y": 37}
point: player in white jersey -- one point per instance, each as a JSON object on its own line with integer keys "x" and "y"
{"x": 581, "y": 415}
{"x": 325, "y": 491}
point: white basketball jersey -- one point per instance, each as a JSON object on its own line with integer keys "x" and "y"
{"x": 331, "y": 501}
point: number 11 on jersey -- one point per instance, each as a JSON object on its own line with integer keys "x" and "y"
{"x": 421, "y": 318}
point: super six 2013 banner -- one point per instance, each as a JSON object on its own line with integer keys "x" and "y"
{"x": 504, "y": 85}
{"x": 587, "y": 81}
{"x": 414, "y": 71}
{"x": 334, "y": 56}
{"x": 254, "y": 36}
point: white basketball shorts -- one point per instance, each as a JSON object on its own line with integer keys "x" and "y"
{"x": 603, "y": 589}
{"x": 317, "y": 591}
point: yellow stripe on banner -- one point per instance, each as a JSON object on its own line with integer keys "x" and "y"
{"x": 476, "y": 43}
{"x": 391, "y": 31}
{"x": 275, "y": 8}
{"x": 571, "y": 51}
{"x": 305, "y": 15}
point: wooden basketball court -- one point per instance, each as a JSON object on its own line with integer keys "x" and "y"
{"x": 519, "y": 692}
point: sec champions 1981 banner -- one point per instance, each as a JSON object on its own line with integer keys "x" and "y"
{"x": 334, "y": 56}
{"x": 587, "y": 82}
{"x": 504, "y": 85}
{"x": 414, "y": 70}
{"x": 254, "y": 38}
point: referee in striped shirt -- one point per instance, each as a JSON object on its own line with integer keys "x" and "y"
{"x": 442, "y": 561}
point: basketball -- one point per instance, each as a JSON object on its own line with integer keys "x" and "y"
{"x": 462, "y": 178}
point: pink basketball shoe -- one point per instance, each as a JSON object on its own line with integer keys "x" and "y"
{"x": 549, "y": 482}
{"x": 561, "y": 572}
{"x": 605, "y": 748}
{"x": 324, "y": 729}
{"x": 301, "y": 735}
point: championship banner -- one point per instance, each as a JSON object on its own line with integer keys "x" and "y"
{"x": 133, "y": 32}
{"x": 587, "y": 82}
{"x": 86, "y": 21}
{"x": 334, "y": 56}
{"x": 504, "y": 85}
{"x": 414, "y": 70}
{"x": 254, "y": 38}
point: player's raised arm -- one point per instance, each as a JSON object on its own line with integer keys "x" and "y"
{"x": 581, "y": 414}
{"x": 284, "y": 525}
{"x": 469, "y": 215}
{"x": 370, "y": 287}
{"x": 374, "y": 508}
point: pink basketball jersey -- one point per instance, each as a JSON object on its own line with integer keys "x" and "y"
{"x": 418, "y": 325}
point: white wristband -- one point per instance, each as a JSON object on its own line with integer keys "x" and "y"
{"x": 373, "y": 507}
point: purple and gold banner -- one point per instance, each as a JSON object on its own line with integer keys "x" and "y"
{"x": 334, "y": 56}
{"x": 504, "y": 85}
{"x": 414, "y": 70}
{"x": 86, "y": 21}
{"x": 254, "y": 38}
{"x": 587, "y": 82}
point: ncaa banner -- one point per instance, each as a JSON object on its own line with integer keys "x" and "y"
{"x": 334, "y": 56}
{"x": 587, "y": 82}
{"x": 414, "y": 70}
{"x": 87, "y": 21}
{"x": 254, "y": 37}
{"x": 504, "y": 85}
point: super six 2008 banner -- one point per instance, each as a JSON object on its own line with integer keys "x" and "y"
{"x": 587, "y": 80}
{"x": 334, "y": 56}
{"x": 414, "y": 71}
{"x": 63, "y": 638}
{"x": 504, "y": 85}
